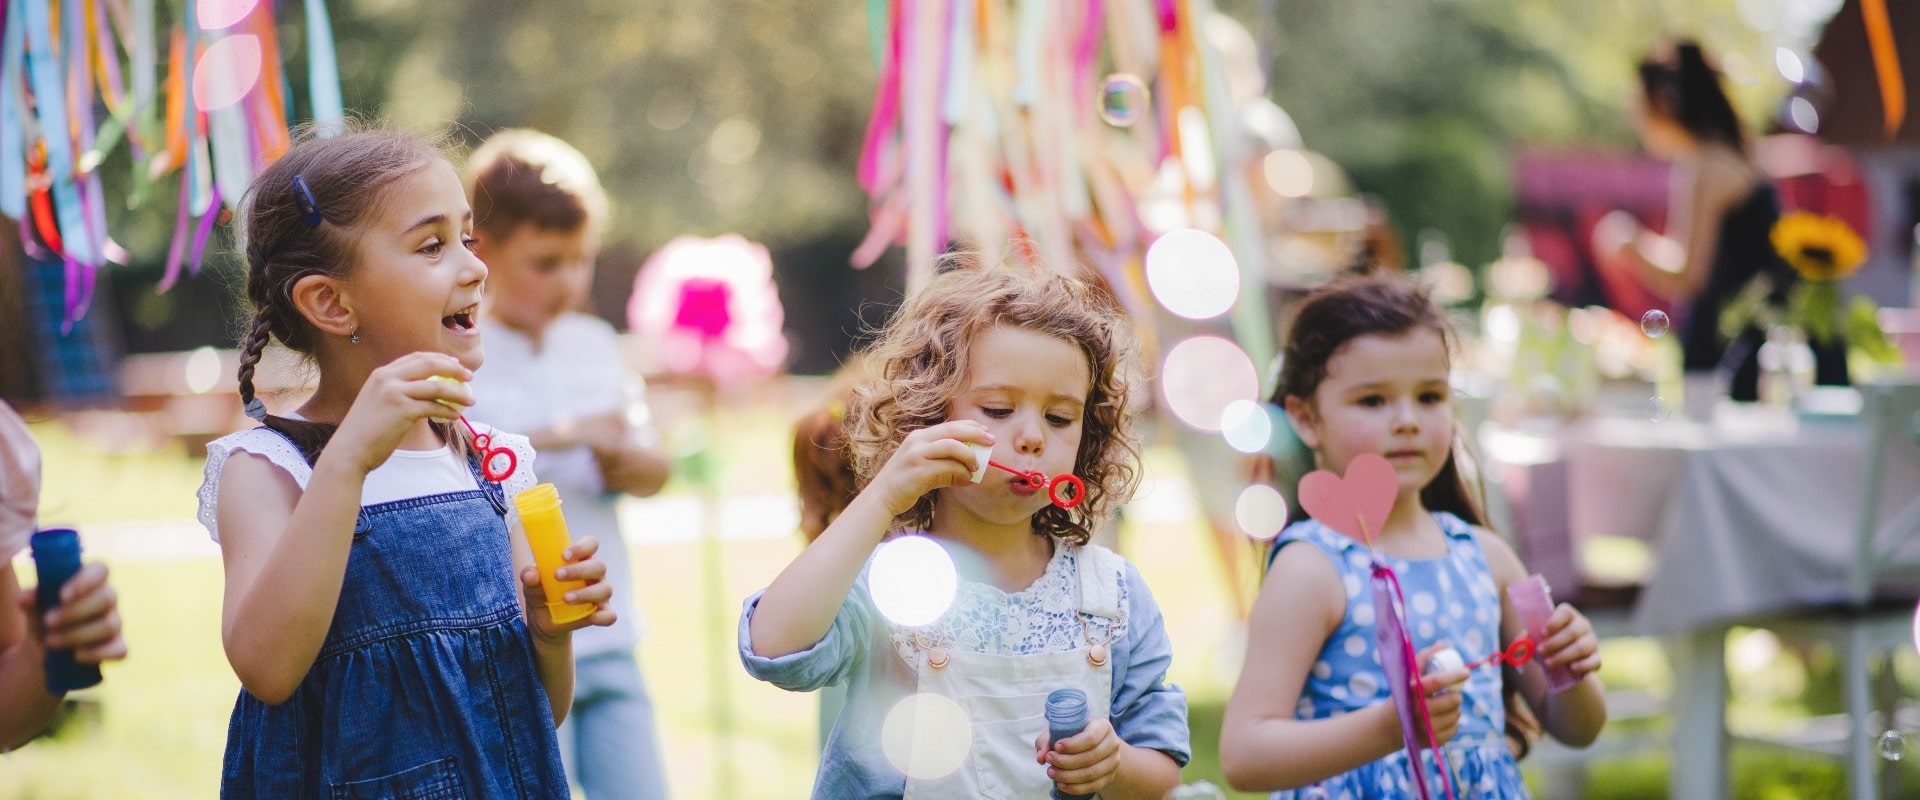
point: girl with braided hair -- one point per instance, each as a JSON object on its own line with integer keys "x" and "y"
{"x": 381, "y": 608}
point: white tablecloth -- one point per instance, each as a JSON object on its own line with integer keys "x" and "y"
{"x": 1743, "y": 521}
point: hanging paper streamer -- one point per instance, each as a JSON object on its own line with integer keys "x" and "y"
{"x": 1356, "y": 506}
{"x": 79, "y": 78}
{"x": 1886, "y": 63}
{"x": 992, "y": 130}
{"x": 323, "y": 73}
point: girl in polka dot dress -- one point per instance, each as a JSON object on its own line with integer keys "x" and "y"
{"x": 1366, "y": 371}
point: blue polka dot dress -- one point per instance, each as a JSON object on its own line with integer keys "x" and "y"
{"x": 1452, "y": 597}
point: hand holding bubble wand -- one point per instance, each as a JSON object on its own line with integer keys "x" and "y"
{"x": 491, "y": 456}
{"x": 1345, "y": 505}
{"x": 540, "y": 518}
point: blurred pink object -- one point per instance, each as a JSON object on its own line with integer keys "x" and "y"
{"x": 19, "y": 483}
{"x": 1534, "y": 602}
{"x": 1902, "y": 326}
{"x": 708, "y": 307}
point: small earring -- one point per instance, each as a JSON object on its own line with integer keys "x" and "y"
{"x": 354, "y": 337}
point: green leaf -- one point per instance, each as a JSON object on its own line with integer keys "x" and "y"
{"x": 1748, "y": 309}
{"x": 1818, "y": 307}
{"x": 1864, "y": 334}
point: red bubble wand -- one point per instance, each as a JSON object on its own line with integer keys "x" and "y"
{"x": 490, "y": 455}
{"x": 1066, "y": 490}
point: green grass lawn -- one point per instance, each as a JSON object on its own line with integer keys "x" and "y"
{"x": 156, "y": 727}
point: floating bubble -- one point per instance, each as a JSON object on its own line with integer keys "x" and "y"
{"x": 912, "y": 580}
{"x": 1123, "y": 100}
{"x": 1289, "y": 172}
{"x": 1202, "y": 376}
{"x": 226, "y": 71}
{"x": 1658, "y": 410}
{"x": 1246, "y": 426}
{"x": 1261, "y": 511}
{"x": 1893, "y": 746}
{"x": 1803, "y": 115}
{"x": 216, "y": 14}
{"x": 203, "y": 370}
{"x": 1193, "y": 274}
{"x": 1789, "y": 64}
{"x": 926, "y": 736}
{"x": 1655, "y": 324}
{"x": 1916, "y": 610}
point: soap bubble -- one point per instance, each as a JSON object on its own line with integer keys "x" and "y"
{"x": 1655, "y": 324}
{"x": 1246, "y": 426}
{"x": 1205, "y": 374}
{"x": 1261, "y": 511}
{"x": 1193, "y": 274}
{"x": 912, "y": 580}
{"x": 926, "y": 736}
{"x": 1123, "y": 100}
{"x": 1658, "y": 410}
{"x": 1893, "y": 746}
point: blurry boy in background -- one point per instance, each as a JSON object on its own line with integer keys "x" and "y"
{"x": 557, "y": 374}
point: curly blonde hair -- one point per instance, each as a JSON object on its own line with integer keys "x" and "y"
{"x": 921, "y": 360}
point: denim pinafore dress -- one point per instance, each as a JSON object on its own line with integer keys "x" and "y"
{"x": 425, "y": 687}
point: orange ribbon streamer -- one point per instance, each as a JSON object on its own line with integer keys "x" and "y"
{"x": 1886, "y": 63}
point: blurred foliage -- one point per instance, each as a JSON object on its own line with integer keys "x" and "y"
{"x": 703, "y": 117}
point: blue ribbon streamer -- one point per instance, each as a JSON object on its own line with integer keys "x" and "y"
{"x": 323, "y": 71}
{"x": 13, "y": 151}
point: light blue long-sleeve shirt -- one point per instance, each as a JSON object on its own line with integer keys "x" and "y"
{"x": 857, "y": 650}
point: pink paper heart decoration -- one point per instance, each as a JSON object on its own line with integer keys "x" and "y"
{"x": 1339, "y": 503}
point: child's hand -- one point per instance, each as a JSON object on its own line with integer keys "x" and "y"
{"x": 1443, "y": 703}
{"x": 1570, "y": 642}
{"x": 1085, "y": 762}
{"x": 395, "y": 397}
{"x": 929, "y": 459}
{"x": 1614, "y": 234}
{"x": 87, "y": 621}
{"x": 581, "y": 565}
{"x": 599, "y": 433}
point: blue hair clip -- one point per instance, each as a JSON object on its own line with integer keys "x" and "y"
{"x": 303, "y": 197}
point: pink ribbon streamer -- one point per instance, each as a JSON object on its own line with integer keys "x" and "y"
{"x": 886, "y": 108}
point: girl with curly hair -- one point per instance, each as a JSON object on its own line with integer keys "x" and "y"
{"x": 1033, "y": 370}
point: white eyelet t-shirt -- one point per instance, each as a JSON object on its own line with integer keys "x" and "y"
{"x": 406, "y": 474}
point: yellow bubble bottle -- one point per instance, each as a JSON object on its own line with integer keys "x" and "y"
{"x": 547, "y": 536}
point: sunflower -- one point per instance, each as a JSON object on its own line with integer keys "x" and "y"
{"x": 1820, "y": 248}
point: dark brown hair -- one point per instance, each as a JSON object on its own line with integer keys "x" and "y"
{"x": 520, "y": 176}
{"x": 1380, "y": 304}
{"x": 348, "y": 171}
{"x": 1687, "y": 90}
{"x": 922, "y": 355}
{"x": 1370, "y": 305}
{"x": 822, "y": 467}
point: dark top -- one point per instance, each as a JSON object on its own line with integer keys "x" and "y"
{"x": 1745, "y": 250}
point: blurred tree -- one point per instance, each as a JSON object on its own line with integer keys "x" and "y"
{"x": 703, "y": 117}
